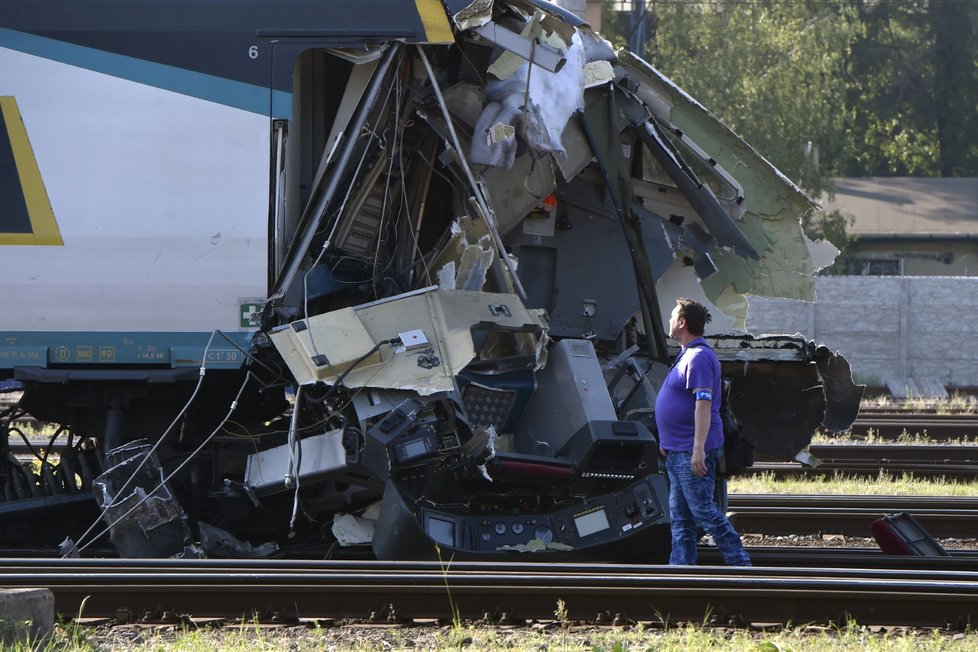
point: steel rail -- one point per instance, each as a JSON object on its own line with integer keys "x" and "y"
{"x": 854, "y": 522}
{"x": 936, "y": 426}
{"x": 650, "y": 593}
{"x": 829, "y": 557}
{"x": 864, "y": 460}
{"x": 784, "y": 514}
{"x": 783, "y": 470}
{"x": 929, "y": 453}
{"x": 833, "y": 557}
{"x": 881, "y": 502}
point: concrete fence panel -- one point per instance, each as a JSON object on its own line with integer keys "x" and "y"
{"x": 888, "y": 327}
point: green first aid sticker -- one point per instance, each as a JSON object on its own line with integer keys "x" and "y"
{"x": 250, "y": 314}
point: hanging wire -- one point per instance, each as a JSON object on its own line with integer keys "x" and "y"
{"x": 193, "y": 396}
{"x": 234, "y": 405}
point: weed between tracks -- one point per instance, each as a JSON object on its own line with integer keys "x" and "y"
{"x": 885, "y": 484}
{"x": 956, "y": 403}
{"x": 539, "y": 637}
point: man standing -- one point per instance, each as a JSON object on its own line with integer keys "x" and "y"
{"x": 687, "y": 413}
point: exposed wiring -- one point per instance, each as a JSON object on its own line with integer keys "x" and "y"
{"x": 295, "y": 446}
{"x": 387, "y": 184}
{"x": 480, "y": 200}
{"x": 328, "y": 241}
{"x": 278, "y": 374}
{"x": 200, "y": 382}
{"x": 290, "y": 473}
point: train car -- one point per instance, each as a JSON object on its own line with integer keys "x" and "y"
{"x": 297, "y": 275}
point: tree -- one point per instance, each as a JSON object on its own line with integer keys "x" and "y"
{"x": 775, "y": 72}
{"x": 913, "y": 90}
{"x": 830, "y": 87}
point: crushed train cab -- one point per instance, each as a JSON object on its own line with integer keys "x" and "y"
{"x": 382, "y": 272}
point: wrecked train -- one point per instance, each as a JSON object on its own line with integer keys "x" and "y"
{"x": 316, "y": 272}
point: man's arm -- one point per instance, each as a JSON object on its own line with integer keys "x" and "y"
{"x": 701, "y": 429}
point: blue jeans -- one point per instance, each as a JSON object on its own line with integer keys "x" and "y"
{"x": 691, "y": 504}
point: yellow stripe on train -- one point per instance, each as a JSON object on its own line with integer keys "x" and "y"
{"x": 44, "y": 226}
{"x": 435, "y": 21}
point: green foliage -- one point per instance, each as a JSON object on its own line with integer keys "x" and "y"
{"x": 773, "y": 71}
{"x": 832, "y": 226}
{"x": 827, "y": 88}
{"x": 913, "y": 90}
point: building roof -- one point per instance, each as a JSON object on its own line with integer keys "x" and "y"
{"x": 894, "y": 206}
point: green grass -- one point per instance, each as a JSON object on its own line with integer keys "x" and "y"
{"x": 883, "y": 485}
{"x": 905, "y": 438}
{"x": 955, "y": 403}
{"x": 538, "y": 637}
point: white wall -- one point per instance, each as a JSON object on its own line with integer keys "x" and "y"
{"x": 887, "y": 327}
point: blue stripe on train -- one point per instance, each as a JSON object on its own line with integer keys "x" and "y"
{"x": 239, "y": 95}
{"x": 94, "y": 349}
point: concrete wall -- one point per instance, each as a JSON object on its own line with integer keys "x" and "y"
{"x": 895, "y": 327}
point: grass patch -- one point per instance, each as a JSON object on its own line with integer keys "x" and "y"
{"x": 905, "y": 438}
{"x": 840, "y": 484}
{"x": 956, "y": 403}
{"x": 538, "y": 637}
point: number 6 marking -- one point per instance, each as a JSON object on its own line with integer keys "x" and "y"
{"x": 253, "y": 52}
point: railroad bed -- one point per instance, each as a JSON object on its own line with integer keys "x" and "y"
{"x": 894, "y": 424}
{"x": 284, "y": 591}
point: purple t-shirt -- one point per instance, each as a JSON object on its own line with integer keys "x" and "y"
{"x": 697, "y": 366}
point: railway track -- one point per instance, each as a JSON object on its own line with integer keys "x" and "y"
{"x": 783, "y": 514}
{"x": 938, "y": 427}
{"x": 393, "y": 592}
{"x": 952, "y": 462}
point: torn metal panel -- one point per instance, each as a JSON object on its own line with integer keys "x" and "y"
{"x": 536, "y": 102}
{"x": 699, "y": 195}
{"x": 348, "y": 341}
{"x": 473, "y": 266}
{"x": 471, "y": 15}
{"x": 465, "y": 232}
{"x": 523, "y": 46}
{"x": 596, "y": 47}
{"x": 774, "y": 204}
{"x": 842, "y": 395}
{"x": 351, "y": 530}
{"x": 266, "y": 471}
{"x": 222, "y": 544}
{"x": 784, "y": 387}
{"x": 513, "y": 193}
{"x": 823, "y": 253}
{"x": 146, "y": 520}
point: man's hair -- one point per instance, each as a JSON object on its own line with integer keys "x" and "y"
{"x": 695, "y": 314}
